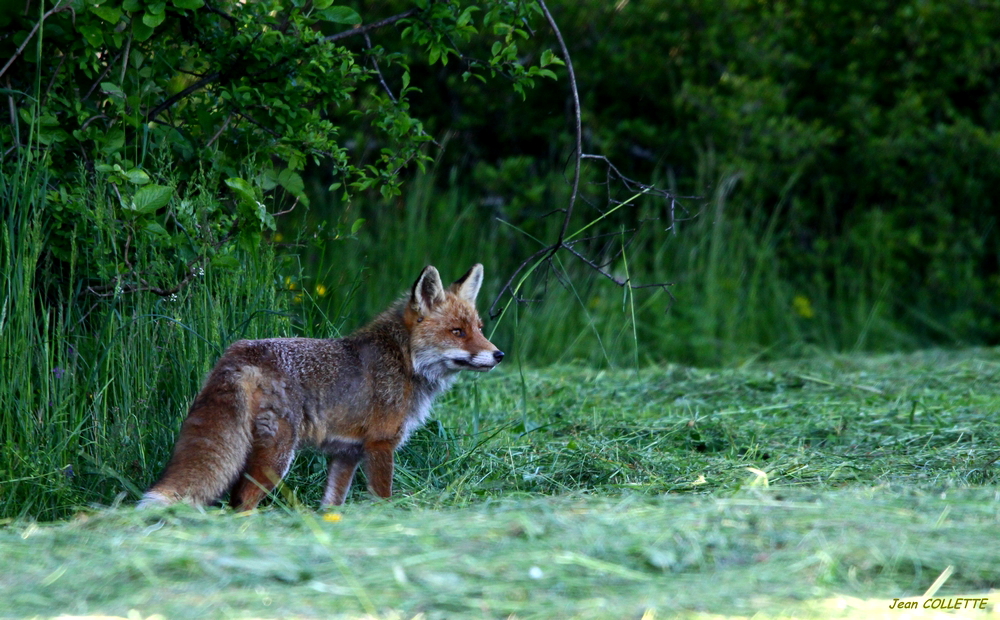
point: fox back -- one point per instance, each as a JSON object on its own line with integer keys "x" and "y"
{"x": 356, "y": 398}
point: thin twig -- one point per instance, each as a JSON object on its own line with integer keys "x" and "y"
{"x": 507, "y": 285}
{"x": 577, "y": 125}
{"x": 90, "y": 120}
{"x": 381, "y": 78}
{"x": 171, "y": 100}
{"x": 229, "y": 18}
{"x": 221, "y": 129}
{"x": 353, "y": 32}
{"x": 104, "y": 74}
{"x": 31, "y": 34}
{"x": 288, "y": 210}
{"x": 618, "y": 281}
{"x": 144, "y": 286}
{"x": 243, "y": 114}
{"x": 55, "y": 74}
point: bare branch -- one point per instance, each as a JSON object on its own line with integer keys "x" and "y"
{"x": 353, "y": 32}
{"x": 110, "y": 290}
{"x": 57, "y": 8}
{"x": 221, "y": 129}
{"x": 612, "y": 176}
{"x": 288, "y": 210}
{"x": 171, "y": 100}
{"x": 381, "y": 78}
{"x": 242, "y": 114}
{"x": 578, "y": 130}
{"x": 507, "y": 285}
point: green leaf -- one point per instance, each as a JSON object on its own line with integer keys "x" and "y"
{"x": 113, "y": 141}
{"x": 249, "y": 240}
{"x": 150, "y": 198}
{"x": 322, "y": 4}
{"x": 250, "y": 202}
{"x": 152, "y": 19}
{"x": 497, "y": 46}
{"x": 549, "y": 58}
{"x": 243, "y": 189}
{"x": 340, "y": 15}
{"x": 155, "y": 229}
{"x": 137, "y": 176}
{"x": 112, "y": 89}
{"x": 266, "y": 219}
{"x": 107, "y": 13}
{"x": 188, "y": 4}
{"x": 131, "y": 5}
{"x": 157, "y": 8}
{"x": 293, "y": 184}
{"x": 226, "y": 261}
{"x": 48, "y": 136}
{"x": 406, "y": 79}
{"x": 466, "y": 16}
{"x": 140, "y": 30}
{"x": 93, "y": 34}
{"x": 356, "y": 226}
{"x": 268, "y": 179}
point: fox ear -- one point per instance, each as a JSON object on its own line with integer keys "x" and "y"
{"x": 428, "y": 291}
{"x": 467, "y": 287}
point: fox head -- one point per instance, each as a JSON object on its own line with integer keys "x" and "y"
{"x": 446, "y": 334}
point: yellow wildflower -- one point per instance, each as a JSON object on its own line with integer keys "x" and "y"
{"x": 803, "y": 307}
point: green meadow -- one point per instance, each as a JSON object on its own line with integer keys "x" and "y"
{"x": 816, "y": 488}
{"x": 743, "y": 261}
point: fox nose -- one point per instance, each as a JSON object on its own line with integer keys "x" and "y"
{"x": 498, "y": 356}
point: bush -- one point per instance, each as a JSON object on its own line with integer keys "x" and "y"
{"x": 859, "y": 127}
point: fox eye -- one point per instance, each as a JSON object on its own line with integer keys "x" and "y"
{"x": 458, "y": 331}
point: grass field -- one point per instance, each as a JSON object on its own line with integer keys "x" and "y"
{"x": 819, "y": 488}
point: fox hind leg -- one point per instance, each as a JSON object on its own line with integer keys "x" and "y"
{"x": 274, "y": 441}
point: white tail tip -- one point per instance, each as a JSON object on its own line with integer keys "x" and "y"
{"x": 152, "y": 498}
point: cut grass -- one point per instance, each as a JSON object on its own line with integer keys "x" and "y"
{"x": 800, "y": 554}
{"x": 928, "y": 418}
{"x": 812, "y": 488}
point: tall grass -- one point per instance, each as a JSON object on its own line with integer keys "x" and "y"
{"x": 735, "y": 297}
{"x": 94, "y": 388}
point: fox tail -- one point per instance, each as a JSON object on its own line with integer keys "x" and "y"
{"x": 215, "y": 440}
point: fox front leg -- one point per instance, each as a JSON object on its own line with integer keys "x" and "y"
{"x": 378, "y": 466}
{"x": 344, "y": 459}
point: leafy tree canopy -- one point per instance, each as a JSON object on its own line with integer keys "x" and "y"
{"x": 148, "y": 96}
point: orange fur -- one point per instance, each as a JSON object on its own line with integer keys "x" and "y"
{"x": 357, "y": 399}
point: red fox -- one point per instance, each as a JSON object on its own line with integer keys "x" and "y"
{"x": 357, "y": 399}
